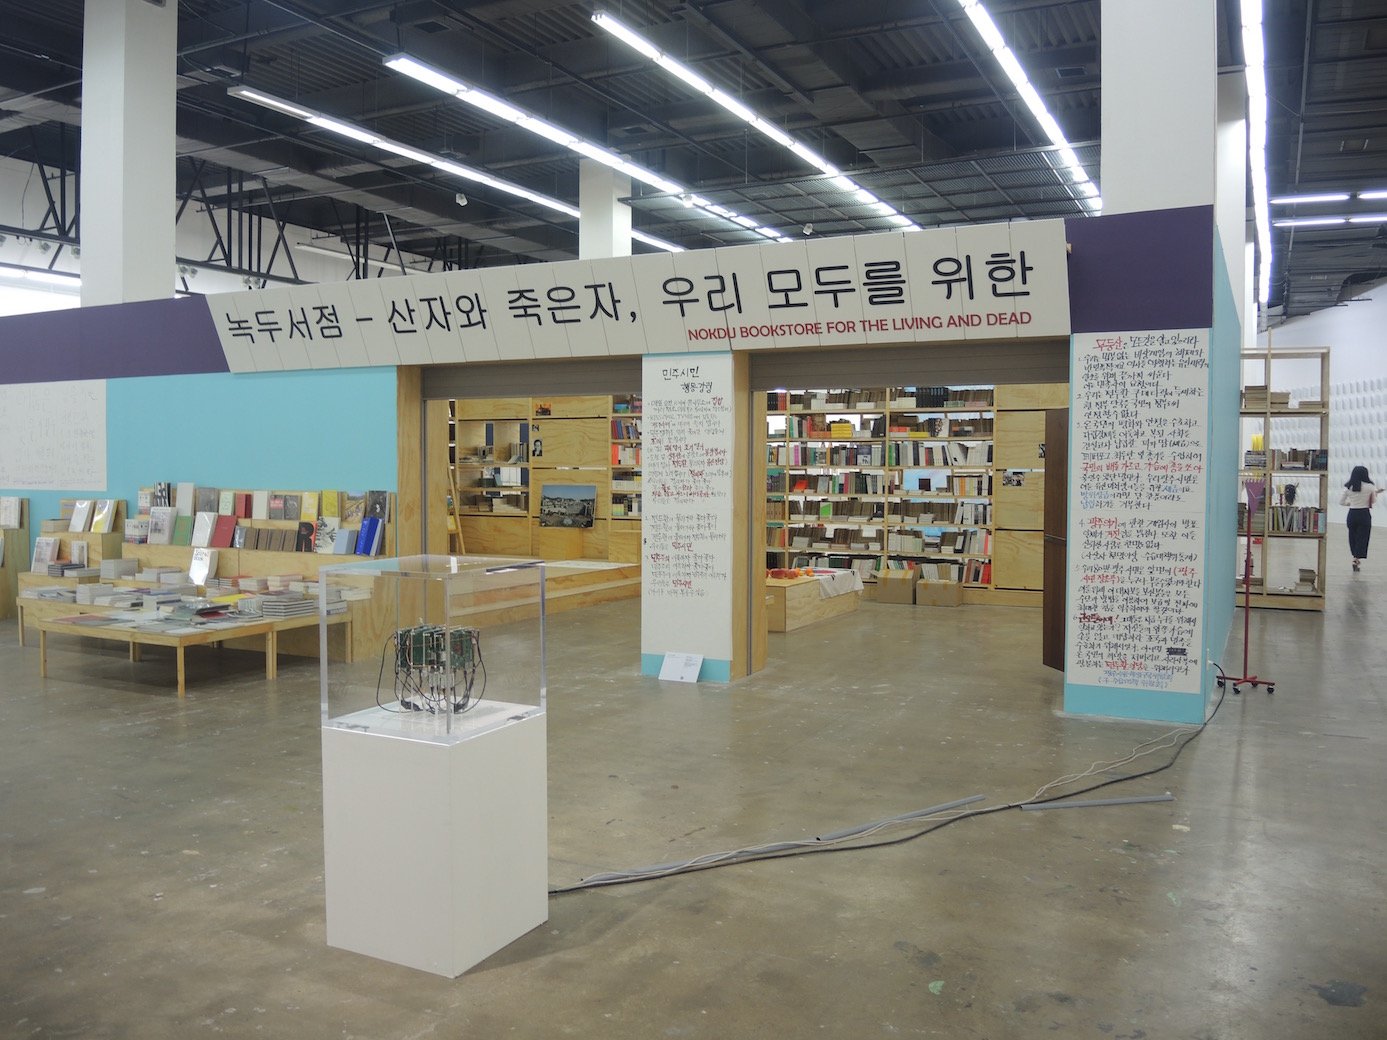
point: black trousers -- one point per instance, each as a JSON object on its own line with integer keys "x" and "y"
{"x": 1360, "y": 529}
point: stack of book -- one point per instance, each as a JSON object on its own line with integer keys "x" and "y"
{"x": 287, "y": 604}
{"x": 1308, "y": 579}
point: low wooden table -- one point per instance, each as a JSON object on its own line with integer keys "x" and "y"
{"x": 137, "y": 637}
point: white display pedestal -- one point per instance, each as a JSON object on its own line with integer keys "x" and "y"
{"x": 435, "y": 845}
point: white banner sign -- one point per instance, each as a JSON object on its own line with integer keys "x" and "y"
{"x": 1137, "y": 490}
{"x": 687, "y": 443}
{"x": 978, "y": 282}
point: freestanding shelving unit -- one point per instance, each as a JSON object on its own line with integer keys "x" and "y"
{"x": 1284, "y": 440}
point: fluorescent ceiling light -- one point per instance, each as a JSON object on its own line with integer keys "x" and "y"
{"x": 991, "y": 36}
{"x": 1294, "y": 200}
{"x": 342, "y": 129}
{"x": 356, "y": 133}
{"x": 40, "y": 276}
{"x": 759, "y": 123}
{"x": 269, "y": 102}
{"x": 1254, "y": 59}
{"x": 658, "y": 243}
{"x": 464, "y": 92}
{"x": 1372, "y": 194}
{"x": 1310, "y": 222}
{"x": 308, "y": 247}
{"x": 1369, "y": 218}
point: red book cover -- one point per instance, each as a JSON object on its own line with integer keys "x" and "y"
{"x": 243, "y": 504}
{"x": 223, "y": 531}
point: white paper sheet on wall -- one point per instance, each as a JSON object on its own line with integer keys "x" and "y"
{"x": 53, "y": 436}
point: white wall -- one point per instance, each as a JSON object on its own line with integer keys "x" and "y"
{"x": 1357, "y": 379}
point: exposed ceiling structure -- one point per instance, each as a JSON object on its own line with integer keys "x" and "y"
{"x": 902, "y": 96}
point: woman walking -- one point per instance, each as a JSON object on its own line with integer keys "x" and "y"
{"x": 1359, "y": 495}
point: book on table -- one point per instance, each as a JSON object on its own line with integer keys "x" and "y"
{"x": 203, "y": 565}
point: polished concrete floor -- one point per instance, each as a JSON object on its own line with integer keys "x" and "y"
{"x": 161, "y": 862}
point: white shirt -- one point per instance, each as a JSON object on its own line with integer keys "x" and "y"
{"x": 1358, "y": 499}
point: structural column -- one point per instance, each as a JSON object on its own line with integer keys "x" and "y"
{"x": 1152, "y": 421}
{"x": 604, "y": 229}
{"x": 129, "y": 52}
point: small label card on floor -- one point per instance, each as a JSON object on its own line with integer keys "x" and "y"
{"x": 681, "y": 667}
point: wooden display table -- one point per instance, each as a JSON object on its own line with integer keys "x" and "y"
{"x": 796, "y": 602}
{"x": 99, "y": 627}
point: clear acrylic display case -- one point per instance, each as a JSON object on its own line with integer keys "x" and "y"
{"x": 459, "y": 646}
{"x": 434, "y": 759}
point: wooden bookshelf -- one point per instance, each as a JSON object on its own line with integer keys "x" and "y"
{"x": 881, "y": 478}
{"x": 893, "y": 478}
{"x": 16, "y": 559}
{"x": 504, "y": 453}
{"x": 1284, "y": 445}
{"x": 1018, "y": 484}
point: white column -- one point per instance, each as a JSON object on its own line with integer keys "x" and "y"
{"x": 1160, "y": 105}
{"x": 604, "y": 229}
{"x": 128, "y": 189}
{"x": 1230, "y": 195}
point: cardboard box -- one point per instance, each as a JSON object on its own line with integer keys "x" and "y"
{"x": 938, "y": 594}
{"x": 896, "y": 587}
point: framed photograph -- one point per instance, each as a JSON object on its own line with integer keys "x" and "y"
{"x": 567, "y": 505}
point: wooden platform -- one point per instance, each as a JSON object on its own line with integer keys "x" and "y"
{"x": 793, "y": 603}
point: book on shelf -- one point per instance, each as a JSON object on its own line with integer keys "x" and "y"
{"x": 161, "y": 525}
{"x": 144, "y": 498}
{"x": 305, "y": 536}
{"x": 325, "y": 534}
{"x": 206, "y": 500}
{"x": 330, "y": 503}
{"x": 260, "y": 505}
{"x": 104, "y": 516}
{"x": 223, "y": 531}
{"x": 238, "y": 536}
{"x": 378, "y": 504}
{"x": 226, "y": 503}
{"x": 276, "y": 506}
{"x": 9, "y": 510}
{"x": 293, "y": 506}
{"x": 45, "y": 553}
{"x": 185, "y": 497}
{"x": 345, "y": 541}
{"x": 203, "y": 524}
{"x": 81, "y": 515}
{"x": 369, "y": 539}
{"x": 137, "y": 530}
{"x": 182, "y": 529}
{"x": 242, "y": 504}
{"x": 308, "y": 506}
{"x": 163, "y": 494}
{"x": 353, "y": 509}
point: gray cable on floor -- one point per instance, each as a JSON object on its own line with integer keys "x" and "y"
{"x": 755, "y": 852}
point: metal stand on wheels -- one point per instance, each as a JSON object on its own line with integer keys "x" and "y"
{"x": 1255, "y": 490}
